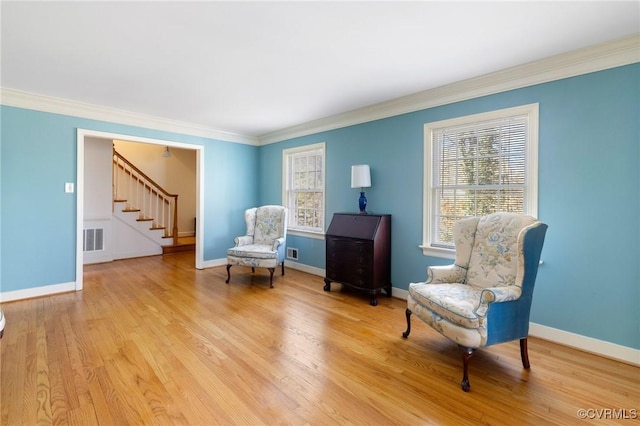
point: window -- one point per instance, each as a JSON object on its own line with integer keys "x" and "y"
{"x": 303, "y": 191}
{"x": 477, "y": 165}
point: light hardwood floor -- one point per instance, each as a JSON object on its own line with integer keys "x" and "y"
{"x": 154, "y": 341}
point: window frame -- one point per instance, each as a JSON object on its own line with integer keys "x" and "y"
{"x": 287, "y": 156}
{"x": 531, "y": 169}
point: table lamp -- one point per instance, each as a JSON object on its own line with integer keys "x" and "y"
{"x": 361, "y": 178}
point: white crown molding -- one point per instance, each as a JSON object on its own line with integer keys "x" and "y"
{"x": 19, "y": 99}
{"x": 599, "y": 57}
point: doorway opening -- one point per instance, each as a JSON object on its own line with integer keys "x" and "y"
{"x": 82, "y": 135}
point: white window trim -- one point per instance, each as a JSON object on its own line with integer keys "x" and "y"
{"x": 531, "y": 199}
{"x": 285, "y": 169}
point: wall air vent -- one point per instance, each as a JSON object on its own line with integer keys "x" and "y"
{"x": 93, "y": 239}
{"x": 292, "y": 253}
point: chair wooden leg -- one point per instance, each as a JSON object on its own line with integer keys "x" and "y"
{"x": 228, "y": 273}
{"x": 524, "y": 353}
{"x": 271, "y": 270}
{"x": 408, "y": 314}
{"x": 466, "y": 356}
{"x": 253, "y": 269}
{"x": 282, "y": 268}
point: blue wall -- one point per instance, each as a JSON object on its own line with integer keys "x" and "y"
{"x": 589, "y": 195}
{"x": 38, "y": 219}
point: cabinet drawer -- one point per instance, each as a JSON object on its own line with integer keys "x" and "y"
{"x": 349, "y": 260}
{"x": 356, "y": 248}
{"x": 357, "y": 278}
{"x": 343, "y": 268}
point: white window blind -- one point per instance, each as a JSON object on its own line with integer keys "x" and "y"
{"x": 479, "y": 166}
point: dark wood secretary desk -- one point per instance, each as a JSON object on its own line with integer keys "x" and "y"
{"x": 358, "y": 250}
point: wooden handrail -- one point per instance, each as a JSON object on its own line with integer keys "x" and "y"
{"x": 151, "y": 188}
{"x": 142, "y": 179}
{"x": 143, "y": 174}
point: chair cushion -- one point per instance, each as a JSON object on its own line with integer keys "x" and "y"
{"x": 455, "y": 302}
{"x": 255, "y": 251}
{"x": 467, "y": 337}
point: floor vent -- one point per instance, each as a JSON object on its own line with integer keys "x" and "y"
{"x": 292, "y": 253}
{"x": 93, "y": 239}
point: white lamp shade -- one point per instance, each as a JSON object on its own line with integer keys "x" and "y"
{"x": 360, "y": 176}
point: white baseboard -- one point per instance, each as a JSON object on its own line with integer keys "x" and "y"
{"x": 214, "y": 263}
{"x": 29, "y": 293}
{"x": 90, "y": 258}
{"x": 587, "y": 344}
{"x": 399, "y": 293}
{"x": 304, "y": 268}
{"x": 138, "y": 253}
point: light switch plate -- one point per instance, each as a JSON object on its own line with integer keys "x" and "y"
{"x": 68, "y": 187}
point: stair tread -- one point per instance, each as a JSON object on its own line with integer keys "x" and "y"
{"x": 178, "y": 248}
{"x": 131, "y": 210}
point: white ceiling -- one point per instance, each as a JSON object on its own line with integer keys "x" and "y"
{"x": 253, "y": 68}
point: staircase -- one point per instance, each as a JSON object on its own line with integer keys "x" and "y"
{"x": 144, "y": 225}
{"x": 145, "y": 206}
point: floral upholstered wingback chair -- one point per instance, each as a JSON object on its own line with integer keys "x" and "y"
{"x": 264, "y": 244}
{"x": 484, "y": 298}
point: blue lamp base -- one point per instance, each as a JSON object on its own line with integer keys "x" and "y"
{"x": 362, "y": 203}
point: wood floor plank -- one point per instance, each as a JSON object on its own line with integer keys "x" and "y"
{"x": 155, "y": 341}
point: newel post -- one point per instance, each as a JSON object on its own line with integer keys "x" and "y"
{"x": 175, "y": 222}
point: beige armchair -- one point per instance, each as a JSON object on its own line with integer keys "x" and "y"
{"x": 484, "y": 298}
{"x": 264, "y": 244}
